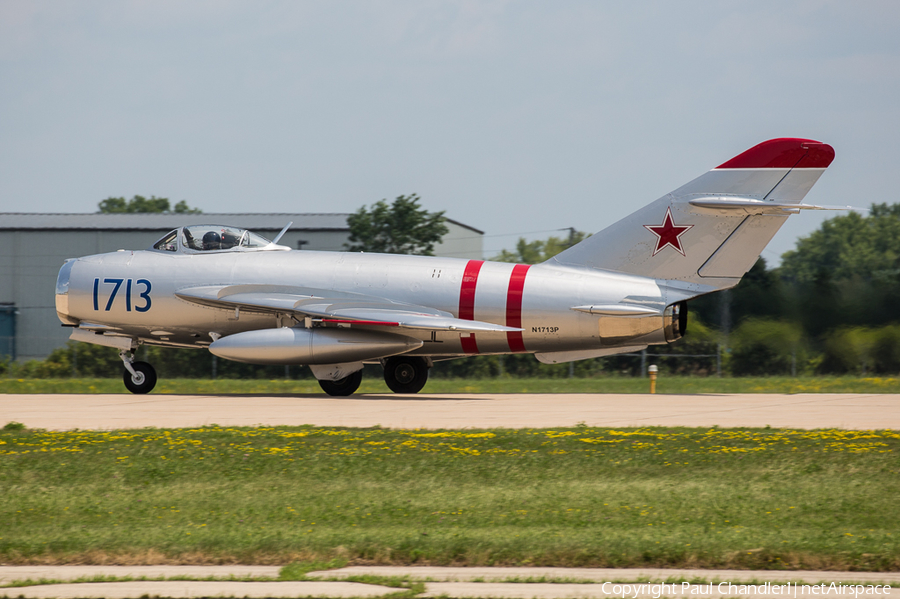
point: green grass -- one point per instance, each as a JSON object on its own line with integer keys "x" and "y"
{"x": 666, "y": 497}
{"x": 674, "y": 384}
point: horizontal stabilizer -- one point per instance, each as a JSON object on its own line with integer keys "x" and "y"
{"x": 751, "y": 206}
{"x": 617, "y": 310}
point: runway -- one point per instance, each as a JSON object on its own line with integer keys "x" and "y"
{"x": 434, "y": 411}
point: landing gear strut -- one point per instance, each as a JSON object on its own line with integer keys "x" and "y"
{"x": 342, "y": 387}
{"x": 405, "y": 374}
{"x": 139, "y": 377}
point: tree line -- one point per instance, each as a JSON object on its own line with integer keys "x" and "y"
{"x": 831, "y": 307}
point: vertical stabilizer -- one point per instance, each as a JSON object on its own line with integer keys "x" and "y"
{"x": 711, "y": 230}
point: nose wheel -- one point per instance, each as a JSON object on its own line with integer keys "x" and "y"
{"x": 405, "y": 374}
{"x": 142, "y": 379}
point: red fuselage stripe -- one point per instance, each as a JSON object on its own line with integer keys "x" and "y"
{"x": 467, "y": 289}
{"x": 514, "y": 307}
{"x": 467, "y": 302}
{"x": 468, "y": 344}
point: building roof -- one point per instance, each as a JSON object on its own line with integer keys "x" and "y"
{"x": 170, "y": 221}
{"x": 165, "y": 222}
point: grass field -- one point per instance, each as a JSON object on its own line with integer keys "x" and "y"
{"x": 682, "y": 385}
{"x": 671, "y": 497}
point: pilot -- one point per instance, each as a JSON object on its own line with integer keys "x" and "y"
{"x": 212, "y": 241}
{"x": 229, "y": 240}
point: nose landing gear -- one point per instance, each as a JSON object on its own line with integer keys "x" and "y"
{"x": 139, "y": 377}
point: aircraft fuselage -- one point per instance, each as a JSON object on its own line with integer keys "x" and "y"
{"x": 134, "y": 291}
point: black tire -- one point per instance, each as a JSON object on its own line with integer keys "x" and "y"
{"x": 144, "y": 381}
{"x": 405, "y": 374}
{"x": 342, "y": 387}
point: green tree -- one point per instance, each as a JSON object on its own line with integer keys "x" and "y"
{"x": 849, "y": 245}
{"x": 767, "y": 347}
{"x": 140, "y": 204}
{"x": 402, "y": 227}
{"x": 760, "y": 294}
{"x": 848, "y": 350}
{"x": 886, "y": 350}
{"x": 75, "y": 359}
{"x": 847, "y": 272}
{"x": 533, "y": 252}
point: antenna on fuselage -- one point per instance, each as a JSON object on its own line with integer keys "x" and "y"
{"x": 283, "y": 231}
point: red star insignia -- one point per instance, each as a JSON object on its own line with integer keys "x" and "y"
{"x": 668, "y": 233}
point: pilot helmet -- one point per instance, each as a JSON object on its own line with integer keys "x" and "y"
{"x": 211, "y": 240}
{"x": 229, "y": 239}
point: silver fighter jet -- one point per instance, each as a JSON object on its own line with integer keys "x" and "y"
{"x": 248, "y": 299}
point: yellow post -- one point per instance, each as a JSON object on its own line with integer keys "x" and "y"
{"x": 653, "y": 370}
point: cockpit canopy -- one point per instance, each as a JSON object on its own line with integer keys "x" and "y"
{"x": 214, "y": 238}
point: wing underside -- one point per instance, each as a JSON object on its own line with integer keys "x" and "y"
{"x": 334, "y": 307}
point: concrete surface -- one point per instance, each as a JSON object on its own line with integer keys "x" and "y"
{"x": 9, "y": 574}
{"x": 500, "y": 590}
{"x": 575, "y": 591}
{"x": 807, "y": 411}
{"x": 459, "y": 582}
{"x": 189, "y": 588}
{"x": 490, "y": 574}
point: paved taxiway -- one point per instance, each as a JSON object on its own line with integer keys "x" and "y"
{"x": 562, "y": 583}
{"x": 807, "y": 411}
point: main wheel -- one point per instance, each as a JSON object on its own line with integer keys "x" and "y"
{"x": 143, "y": 380}
{"x": 405, "y": 374}
{"x": 342, "y": 387}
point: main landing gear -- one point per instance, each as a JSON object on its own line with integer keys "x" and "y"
{"x": 139, "y": 377}
{"x": 403, "y": 374}
{"x": 342, "y": 387}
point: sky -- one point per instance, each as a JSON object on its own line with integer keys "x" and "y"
{"x": 517, "y": 118}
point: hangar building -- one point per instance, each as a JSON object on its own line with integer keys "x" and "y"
{"x": 34, "y": 246}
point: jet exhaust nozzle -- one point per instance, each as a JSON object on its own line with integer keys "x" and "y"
{"x": 675, "y": 320}
{"x": 310, "y": 346}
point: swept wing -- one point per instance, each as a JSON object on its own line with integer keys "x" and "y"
{"x": 334, "y": 306}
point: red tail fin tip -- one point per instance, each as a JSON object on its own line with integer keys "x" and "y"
{"x": 786, "y": 152}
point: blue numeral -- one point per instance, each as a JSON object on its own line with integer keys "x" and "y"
{"x": 129, "y": 285}
{"x": 145, "y": 295}
{"x": 112, "y": 296}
